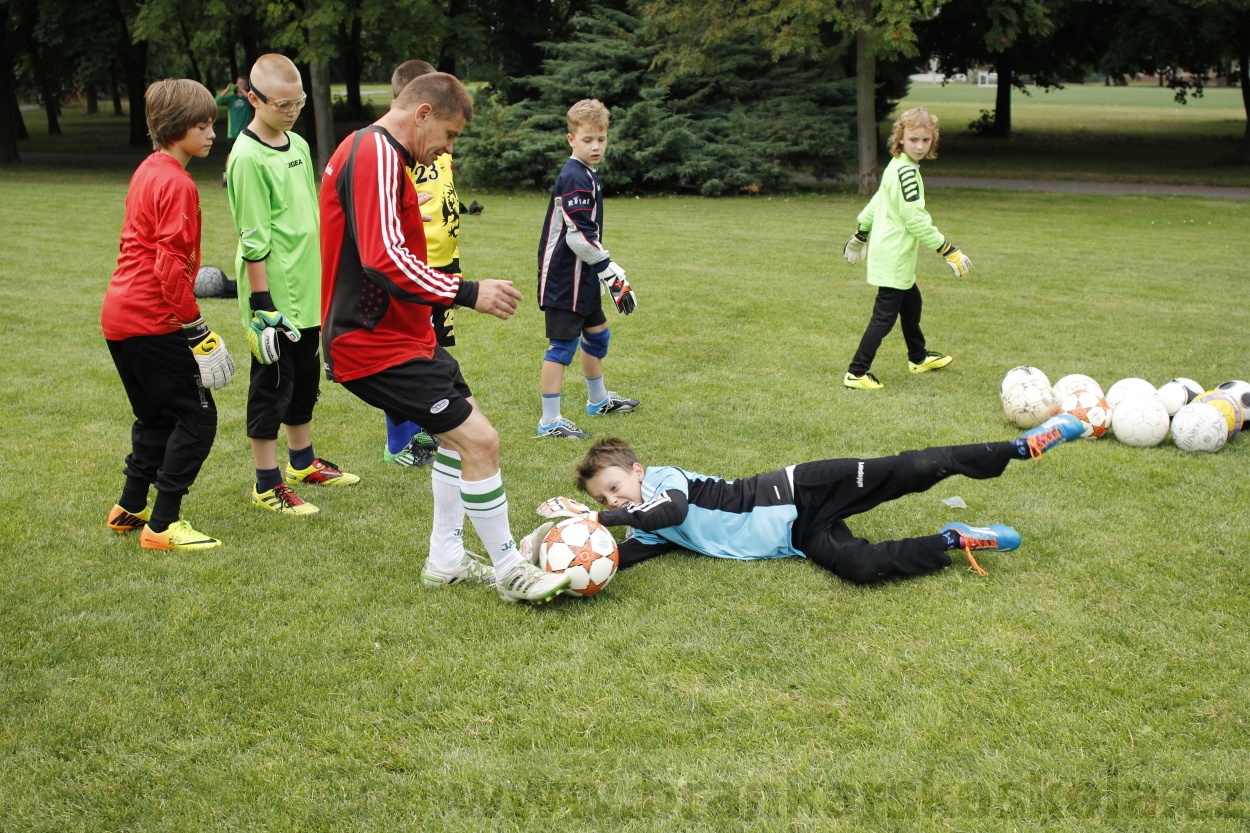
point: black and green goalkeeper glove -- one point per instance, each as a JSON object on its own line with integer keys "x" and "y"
{"x": 959, "y": 262}
{"x": 263, "y": 329}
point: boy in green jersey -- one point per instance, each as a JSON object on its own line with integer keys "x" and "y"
{"x": 273, "y": 197}
{"x": 239, "y": 112}
{"x": 899, "y": 223}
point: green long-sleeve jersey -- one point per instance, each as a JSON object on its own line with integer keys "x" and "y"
{"x": 899, "y": 224}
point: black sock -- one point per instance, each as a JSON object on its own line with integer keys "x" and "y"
{"x": 165, "y": 511}
{"x": 134, "y": 497}
{"x": 266, "y": 479}
{"x": 954, "y": 541}
{"x": 1022, "y": 447}
{"x": 301, "y": 458}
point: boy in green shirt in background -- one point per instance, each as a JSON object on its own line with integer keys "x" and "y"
{"x": 273, "y": 197}
{"x": 899, "y": 223}
{"x": 239, "y": 112}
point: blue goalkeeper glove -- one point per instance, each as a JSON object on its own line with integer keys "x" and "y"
{"x": 263, "y": 329}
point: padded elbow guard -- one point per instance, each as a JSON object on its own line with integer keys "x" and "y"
{"x": 596, "y": 344}
{"x": 561, "y": 351}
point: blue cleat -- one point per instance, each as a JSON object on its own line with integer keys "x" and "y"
{"x": 995, "y": 537}
{"x": 1058, "y": 429}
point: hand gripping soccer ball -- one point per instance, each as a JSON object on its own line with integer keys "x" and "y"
{"x": 1199, "y": 427}
{"x": 584, "y": 551}
{"x": 1178, "y": 393}
{"x": 1226, "y": 405}
{"x": 1240, "y": 391}
{"x": 1091, "y": 409}
{"x": 1140, "y": 420}
{"x": 1073, "y": 382}
{"x": 1124, "y": 387}
{"x": 1030, "y": 403}
{"x": 1020, "y": 374}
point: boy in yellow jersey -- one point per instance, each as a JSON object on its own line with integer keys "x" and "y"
{"x": 406, "y": 443}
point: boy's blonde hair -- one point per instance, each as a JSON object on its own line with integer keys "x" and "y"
{"x": 588, "y": 111}
{"x": 405, "y": 72}
{"x": 175, "y": 105}
{"x": 444, "y": 93}
{"x": 602, "y": 455}
{"x": 913, "y": 118}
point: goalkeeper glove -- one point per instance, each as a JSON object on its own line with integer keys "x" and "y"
{"x": 263, "y": 329}
{"x": 959, "y": 262}
{"x": 215, "y": 365}
{"x": 563, "y": 507}
{"x": 613, "y": 279}
{"x": 856, "y": 249}
{"x": 531, "y": 543}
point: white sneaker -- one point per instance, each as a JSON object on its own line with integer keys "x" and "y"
{"x": 473, "y": 567}
{"x": 527, "y": 583}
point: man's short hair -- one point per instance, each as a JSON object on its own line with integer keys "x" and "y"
{"x": 405, "y": 72}
{"x": 175, "y": 105}
{"x": 588, "y": 111}
{"x": 914, "y": 118}
{"x": 604, "y": 454}
{"x": 444, "y": 93}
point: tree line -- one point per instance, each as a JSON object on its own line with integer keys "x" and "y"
{"x": 708, "y": 96}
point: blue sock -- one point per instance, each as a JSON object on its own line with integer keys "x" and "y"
{"x": 596, "y": 390}
{"x": 398, "y": 435}
{"x": 551, "y": 408}
{"x": 266, "y": 479}
{"x": 301, "y": 458}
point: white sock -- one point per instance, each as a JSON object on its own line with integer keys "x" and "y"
{"x": 486, "y": 504}
{"x": 447, "y": 537}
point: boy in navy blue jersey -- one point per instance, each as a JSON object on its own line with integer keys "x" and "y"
{"x": 798, "y": 510}
{"x": 573, "y": 271}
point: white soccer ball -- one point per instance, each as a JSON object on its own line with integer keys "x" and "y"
{"x": 1140, "y": 420}
{"x": 1020, "y": 374}
{"x": 1091, "y": 409}
{"x": 584, "y": 551}
{"x": 1124, "y": 387}
{"x": 1073, "y": 382}
{"x": 209, "y": 282}
{"x": 1228, "y": 406}
{"x": 1030, "y": 403}
{"x": 1239, "y": 391}
{"x": 1177, "y": 393}
{"x": 1199, "y": 427}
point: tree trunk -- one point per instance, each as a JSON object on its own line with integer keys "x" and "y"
{"x": 447, "y": 52}
{"x": 93, "y": 99}
{"x": 47, "y": 89}
{"x": 195, "y": 65}
{"x": 10, "y": 114}
{"x": 1002, "y": 97}
{"x": 135, "y": 64}
{"x": 117, "y": 92}
{"x": 323, "y": 113}
{"x": 865, "y": 103}
{"x": 351, "y": 59}
{"x": 1243, "y": 58}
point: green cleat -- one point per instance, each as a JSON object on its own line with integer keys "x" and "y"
{"x": 933, "y": 360}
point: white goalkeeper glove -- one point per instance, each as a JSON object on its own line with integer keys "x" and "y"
{"x": 531, "y": 543}
{"x": 613, "y": 279}
{"x": 856, "y": 249}
{"x": 959, "y": 262}
{"x": 563, "y": 507}
{"x": 212, "y": 357}
{"x": 263, "y": 329}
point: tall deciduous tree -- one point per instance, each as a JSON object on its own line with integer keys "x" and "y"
{"x": 881, "y": 29}
{"x": 17, "y": 22}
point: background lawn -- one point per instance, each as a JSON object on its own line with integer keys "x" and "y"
{"x": 298, "y": 678}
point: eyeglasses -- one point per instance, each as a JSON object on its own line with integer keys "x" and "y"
{"x": 292, "y": 106}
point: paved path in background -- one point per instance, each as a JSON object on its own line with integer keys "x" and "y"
{"x": 1058, "y": 186}
{"x": 1068, "y": 187}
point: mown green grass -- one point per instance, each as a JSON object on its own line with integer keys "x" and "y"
{"x": 1092, "y": 133}
{"x": 298, "y": 678}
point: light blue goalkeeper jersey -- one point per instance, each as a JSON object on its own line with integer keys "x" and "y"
{"x": 745, "y": 519}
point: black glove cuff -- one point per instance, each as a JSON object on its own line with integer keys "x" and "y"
{"x": 861, "y": 235}
{"x": 263, "y": 301}
{"x": 196, "y": 331}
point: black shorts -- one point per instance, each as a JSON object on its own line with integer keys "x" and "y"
{"x": 564, "y": 324}
{"x": 284, "y": 393}
{"x": 430, "y": 392}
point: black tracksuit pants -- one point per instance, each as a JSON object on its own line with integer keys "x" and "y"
{"x": 891, "y": 305}
{"x": 827, "y": 491}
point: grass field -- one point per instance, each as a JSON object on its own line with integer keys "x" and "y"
{"x": 298, "y": 678}
{"x": 1091, "y": 133}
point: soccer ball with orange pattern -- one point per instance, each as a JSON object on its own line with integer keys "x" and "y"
{"x": 584, "y": 551}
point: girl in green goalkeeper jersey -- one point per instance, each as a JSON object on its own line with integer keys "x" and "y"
{"x": 898, "y": 222}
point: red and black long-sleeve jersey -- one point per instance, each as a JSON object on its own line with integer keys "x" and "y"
{"x": 152, "y": 292}
{"x": 376, "y": 287}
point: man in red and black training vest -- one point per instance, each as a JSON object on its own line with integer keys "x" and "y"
{"x": 377, "y": 292}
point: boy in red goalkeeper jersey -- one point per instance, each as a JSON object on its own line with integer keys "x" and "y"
{"x": 168, "y": 359}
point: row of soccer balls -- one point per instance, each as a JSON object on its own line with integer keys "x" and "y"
{"x": 1133, "y": 409}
